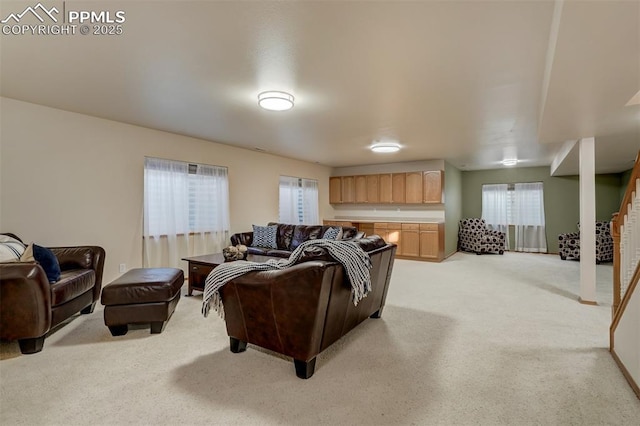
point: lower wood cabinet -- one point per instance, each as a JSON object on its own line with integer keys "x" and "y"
{"x": 415, "y": 241}
{"x": 431, "y": 241}
{"x": 410, "y": 237}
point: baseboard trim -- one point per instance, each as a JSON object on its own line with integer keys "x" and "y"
{"x": 625, "y": 373}
{"x": 587, "y": 302}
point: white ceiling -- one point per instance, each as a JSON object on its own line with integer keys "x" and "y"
{"x": 469, "y": 82}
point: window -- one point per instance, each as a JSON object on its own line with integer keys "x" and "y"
{"x": 513, "y": 204}
{"x": 521, "y": 205}
{"x": 186, "y": 211}
{"x": 182, "y": 197}
{"x": 298, "y": 201}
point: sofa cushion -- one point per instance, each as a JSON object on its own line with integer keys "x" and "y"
{"x": 303, "y": 233}
{"x": 257, "y": 250}
{"x": 265, "y": 236}
{"x": 72, "y": 283}
{"x": 278, "y": 253}
{"x": 284, "y": 235}
{"x": 48, "y": 261}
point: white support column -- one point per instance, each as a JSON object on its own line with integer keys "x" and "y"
{"x": 587, "y": 222}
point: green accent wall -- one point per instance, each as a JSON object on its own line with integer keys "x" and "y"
{"x": 561, "y": 196}
{"x": 624, "y": 182}
{"x": 452, "y": 207}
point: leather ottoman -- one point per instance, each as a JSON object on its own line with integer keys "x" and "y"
{"x": 143, "y": 295}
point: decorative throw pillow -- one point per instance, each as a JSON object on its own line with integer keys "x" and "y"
{"x": 333, "y": 233}
{"x": 48, "y": 261}
{"x": 265, "y": 236}
{"x": 27, "y": 256}
{"x": 10, "y": 249}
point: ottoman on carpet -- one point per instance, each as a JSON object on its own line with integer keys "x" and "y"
{"x": 143, "y": 295}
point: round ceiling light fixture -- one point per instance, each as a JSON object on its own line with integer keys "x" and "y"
{"x": 385, "y": 147}
{"x": 275, "y": 101}
{"x": 509, "y": 162}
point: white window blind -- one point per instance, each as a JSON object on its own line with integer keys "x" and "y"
{"x": 298, "y": 201}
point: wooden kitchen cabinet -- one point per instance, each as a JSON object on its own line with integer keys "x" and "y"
{"x": 348, "y": 189}
{"x": 410, "y": 236}
{"x": 431, "y": 247}
{"x": 372, "y": 189}
{"x": 335, "y": 190}
{"x": 388, "y": 188}
{"x": 398, "y": 181}
{"x": 361, "y": 189}
{"x": 432, "y": 186}
{"x": 380, "y": 229}
{"x": 415, "y": 241}
{"x": 385, "y": 182}
{"x": 336, "y": 223}
{"x": 413, "y": 188}
{"x": 394, "y": 234}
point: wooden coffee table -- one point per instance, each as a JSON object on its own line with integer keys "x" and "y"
{"x": 200, "y": 266}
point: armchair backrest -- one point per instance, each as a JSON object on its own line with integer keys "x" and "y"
{"x": 474, "y": 224}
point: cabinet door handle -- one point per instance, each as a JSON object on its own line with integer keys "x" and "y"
{"x": 195, "y": 268}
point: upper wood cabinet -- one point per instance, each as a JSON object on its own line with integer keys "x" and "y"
{"x": 394, "y": 188}
{"x": 361, "y": 189}
{"x": 398, "y": 181}
{"x": 432, "y": 186}
{"x": 384, "y": 182}
{"x": 348, "y": 189}
{"x": 372, "y": 189}
{"x": 335, "y": 190}
{"x": 413, "y": 190}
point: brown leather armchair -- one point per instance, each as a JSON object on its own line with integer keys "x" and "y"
{"x": 30, "y": 306}
{"x": 302, "y": 310}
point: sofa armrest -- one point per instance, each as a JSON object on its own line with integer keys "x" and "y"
{"x": 282, "y": 310}
{"x": 244, "y": 238}
{"x": 82, "y": 257}
{"x": 25, "y": 301}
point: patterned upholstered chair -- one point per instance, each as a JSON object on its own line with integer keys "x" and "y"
{"x": 474, "y": 235}
{"x": 569, "y": 244}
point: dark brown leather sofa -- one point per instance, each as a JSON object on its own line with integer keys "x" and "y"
{"x": 302, "y": 310}
{"x": 30, "y": 306}
{"x": 289, "y": 237}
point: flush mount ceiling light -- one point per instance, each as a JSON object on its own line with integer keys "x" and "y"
{"x": 385, "y": 147}
{"x": 509, "y": 162}
{"x": 275, "y": 101}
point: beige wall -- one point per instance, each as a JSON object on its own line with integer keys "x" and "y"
{"x": 68, "y": 179}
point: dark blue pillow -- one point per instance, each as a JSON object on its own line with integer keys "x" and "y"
{"x": 48, "y": 261}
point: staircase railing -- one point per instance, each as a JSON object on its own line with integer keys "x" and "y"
{"x": 624, "y": 333}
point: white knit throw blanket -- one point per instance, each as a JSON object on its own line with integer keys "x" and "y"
{"x": 356, "y": 263}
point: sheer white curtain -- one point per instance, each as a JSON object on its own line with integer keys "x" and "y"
{"x": 495, "y": 203}
{"x": 186, "y": 211}
{"x": 528, "y": 217}
{"x": 310, "y": 212}
{"x": 298, "y": 201}
{"x": 209, "y": 209}
{"x": 288, "y": 212}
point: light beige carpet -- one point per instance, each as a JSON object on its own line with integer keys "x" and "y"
{"x": 487, "y": 340}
